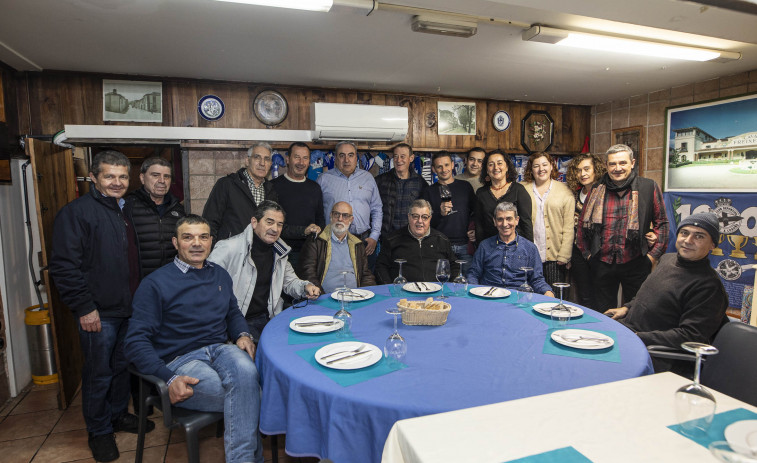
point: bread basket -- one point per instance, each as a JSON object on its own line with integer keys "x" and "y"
{"x": 416, "y": 313}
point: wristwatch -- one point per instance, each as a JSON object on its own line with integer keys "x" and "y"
{"x": 245, "y": 333}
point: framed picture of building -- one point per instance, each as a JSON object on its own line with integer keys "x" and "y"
{"x": 634, "y": 138}
{"x": 712, "y": 146}
{"x": 133, "y": 101}
{"x": 456, "y": 118}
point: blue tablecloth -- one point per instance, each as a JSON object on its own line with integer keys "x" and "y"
{"x": 488, "y": 351}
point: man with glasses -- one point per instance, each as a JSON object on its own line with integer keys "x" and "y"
{"x": 474, "y": 162}
{"x": 358, "y": 188}
{"x": 235, "y": 197}
{"x": 336, "y": 250}
{"x": 258, "y": 263}
{"x": 419, "y": 244}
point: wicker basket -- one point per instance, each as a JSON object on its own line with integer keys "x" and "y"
{"x": 424, "y": 316}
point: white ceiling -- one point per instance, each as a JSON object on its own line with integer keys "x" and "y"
{"x": 206, "y": 39}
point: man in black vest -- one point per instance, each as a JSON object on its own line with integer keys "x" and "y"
{"x": 154, "y": 212}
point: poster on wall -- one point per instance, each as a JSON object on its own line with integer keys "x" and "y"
{"x": 456, "y": 118}
{"x": 132, "y": 101}
{"x": 735, "y": 256}
{"x": 712, "y": 146}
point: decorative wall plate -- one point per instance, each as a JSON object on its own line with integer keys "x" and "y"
{"x": 270, "y": 107}
{"x": 211, "y": 107}
{"x": 501, "y": 121}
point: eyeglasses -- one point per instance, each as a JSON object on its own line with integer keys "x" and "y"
{"x": 263, "y": 159}
{"x": 338, "y": 215}
{"x": 423, "y": 217}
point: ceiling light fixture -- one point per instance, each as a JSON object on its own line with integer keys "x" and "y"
{"x": 626, "y": 45}
{"x": 443, "y": 25}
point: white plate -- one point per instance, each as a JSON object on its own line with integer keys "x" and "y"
{"x": 545, "y": 308}
{"x": 582, "y": 343}
{"x": 742, "y": 437}
{"x": 355, "y": 295}
{"x": 424, "y": 287}
{"x": 372, "y": 356}
{"x": 315, "y": 328}
{"x": 497, "y": 293}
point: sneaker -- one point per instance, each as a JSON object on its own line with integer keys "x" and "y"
{"x": 130, "y": 423}
{"x": 103, "y": 447}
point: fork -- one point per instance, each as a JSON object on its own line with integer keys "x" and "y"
{"x": 361, "y": 347}
{"x": 574, "y": 338}
{"x": 491, "y": 290}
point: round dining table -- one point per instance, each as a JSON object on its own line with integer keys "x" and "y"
{"x": 488, "y": 351}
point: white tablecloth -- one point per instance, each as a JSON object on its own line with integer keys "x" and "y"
{"x": 623, "y": 421}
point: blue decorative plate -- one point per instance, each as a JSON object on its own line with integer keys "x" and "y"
{"x": 501, "y": 121}
{"x": 211, "y": 107}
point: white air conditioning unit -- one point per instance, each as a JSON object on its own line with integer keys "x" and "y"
{"x": 336, "y": 121}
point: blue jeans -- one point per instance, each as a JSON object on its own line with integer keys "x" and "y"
{"x": 229, "y": 384}
{"x": 461, "y": 252}
{"x": 104, "y": 378}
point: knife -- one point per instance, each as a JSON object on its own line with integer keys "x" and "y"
{"x": 416, "y": 286}
{"x": 348, "y": 357}
{"x": 316, "y": 323}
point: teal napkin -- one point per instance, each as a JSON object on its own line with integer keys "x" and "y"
{"x": 563, "y": 455}
{"x": 610, "y": 354}
{"x": 349, "y": 377}
{"x": 717, "y": 429}
{"x": 310, "y": 338}
{"x": 402, "y": 293}
{"x": 585, "y": 318}
{"x": 329, "y": 302}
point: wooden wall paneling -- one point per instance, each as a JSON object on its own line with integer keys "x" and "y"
{"x": 431, "y": 136}
{"x": 92, "y": 100}
{"x": 302, "y": 113}
{"x": 252, "y": 121}
{"x": 237, "y": 105}
{"x": 71, "y": 102}
{"x": 558, "y": 140}
{"x": 292, "y": 120}
{"x": 22, "y": 103}
{"x": 183, "y": 100}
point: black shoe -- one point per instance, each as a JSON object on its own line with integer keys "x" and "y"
{"x": 103, "y": 447}
{"x": 129, "y": 423}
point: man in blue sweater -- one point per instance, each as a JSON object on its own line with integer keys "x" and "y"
{"x": 184, "y": 314}
{"x": 499, "y": 259}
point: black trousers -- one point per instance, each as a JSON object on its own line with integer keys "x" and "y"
{"x": 582, "y": 288}
{"x": 607, "y": 278}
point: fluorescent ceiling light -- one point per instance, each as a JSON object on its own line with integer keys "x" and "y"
{"x": 625, "y": 45}
{"x": 310, "y": 5}
{"x": 443, "y": 25}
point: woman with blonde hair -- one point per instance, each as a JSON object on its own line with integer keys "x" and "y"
{"x": 552, "y": 209}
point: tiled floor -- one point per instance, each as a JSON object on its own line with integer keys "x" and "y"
{"x": 32, "y": 429}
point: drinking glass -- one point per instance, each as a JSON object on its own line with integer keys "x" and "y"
{"x": 695, "y": 405}
{"x": 725, "y": 453}
{"x": 560, "y": 314}
{"x": 400, "y": 281}
{"x": 344, "y": 274}
{"x": 525, "y": 291}
{"x": 446, "y": 195}
{"x": 460, "y": 284}
{"x": 395, "y": 347}
{"x": 343, "y": 314}
{"x": 442, "y": 274}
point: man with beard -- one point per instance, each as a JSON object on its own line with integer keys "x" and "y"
{"x": 301, "y": 199}
{"x": 336, "y": 250}
{"x": 258, "y": 263}
{"x": 617, "y": 214}
{"x": 474, "y": 161}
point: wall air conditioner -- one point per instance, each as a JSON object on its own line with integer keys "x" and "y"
{"x": 336, "y": 121}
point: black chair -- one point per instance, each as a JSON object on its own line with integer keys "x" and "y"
{"x": 732, "y": 371}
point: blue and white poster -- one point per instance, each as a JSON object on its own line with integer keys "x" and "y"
{"x": 735, "y": 256}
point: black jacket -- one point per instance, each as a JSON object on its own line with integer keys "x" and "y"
{"x": 154, "y": 232}
{"x": 89, "y": 263}
{"x": 421, "y": 257}
{"x": 230, "y": 205}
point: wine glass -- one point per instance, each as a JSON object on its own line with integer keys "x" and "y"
{"x": 460, "y": 284}
{"x": 400, "y": 281}
{"x": 446, "y": 195}
{"x": 723, "y": 451}
{"x": 395, "y": 347}
{"x": 525, "y": 291}
{"x": 695, "y": 405}
{"x": 343, "y": 314}
{"x": 560, "y": 314}
{"x": 442, "y": 274}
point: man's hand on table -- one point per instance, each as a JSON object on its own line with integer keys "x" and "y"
{"x": 180, "y": 388}
{"x": 312, "y": 291}
{"x": 617, "y": 313}
{"x": 549, "y": 294}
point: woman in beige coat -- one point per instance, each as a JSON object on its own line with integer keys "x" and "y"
{"x": 552, "y": 208}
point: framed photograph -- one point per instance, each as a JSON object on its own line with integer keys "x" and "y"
{"x": 634, "y": 138}
{"x": 456, "y": 118}
{"x": 712, "y": 146}
{"x": 537, "y": 131}
{"x": 132, "y": 101}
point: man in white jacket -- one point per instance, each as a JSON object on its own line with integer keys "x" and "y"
{"x": 258, "y": 264}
